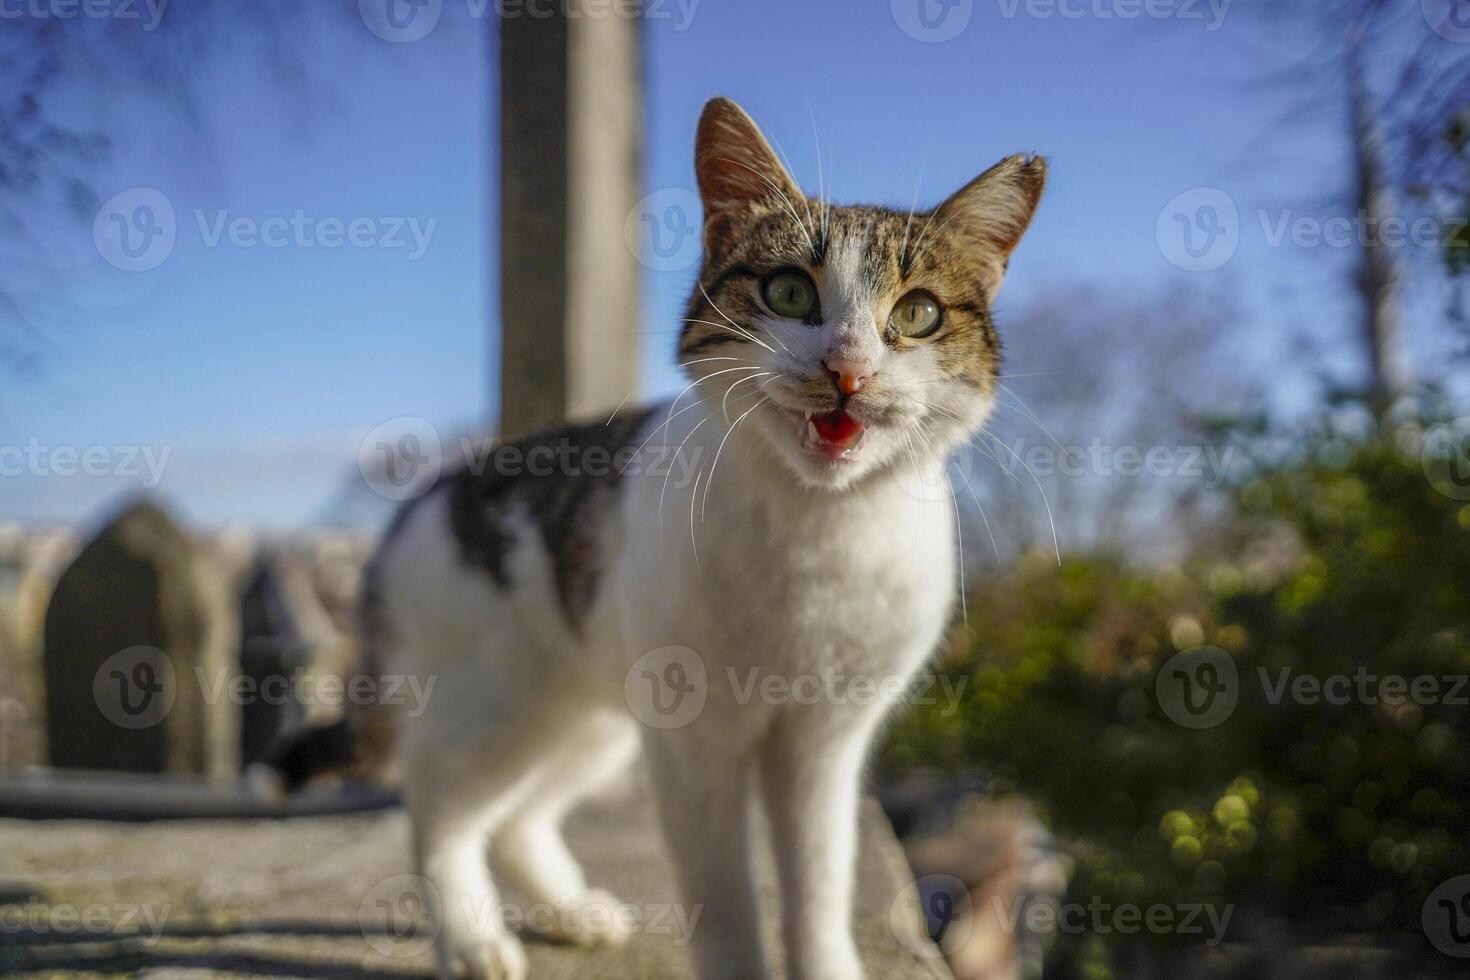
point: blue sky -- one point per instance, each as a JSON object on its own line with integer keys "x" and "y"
{"x": 259, "y": 369}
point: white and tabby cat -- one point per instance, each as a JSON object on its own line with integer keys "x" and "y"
{"x": 838, "y": 355}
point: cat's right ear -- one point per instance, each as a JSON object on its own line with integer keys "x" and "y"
{"x": 735, "y": 167}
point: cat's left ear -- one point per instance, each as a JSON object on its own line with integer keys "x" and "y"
{"x": 993, "y": 211}
{"x": 735, "y": 167}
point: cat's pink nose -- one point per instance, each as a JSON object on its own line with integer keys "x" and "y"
{"x": 848, "y": 375}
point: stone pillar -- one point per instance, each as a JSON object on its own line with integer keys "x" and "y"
{"x": 570, "y": 121}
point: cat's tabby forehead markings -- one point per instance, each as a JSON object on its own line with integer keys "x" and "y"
{"x": 857, "y": 255}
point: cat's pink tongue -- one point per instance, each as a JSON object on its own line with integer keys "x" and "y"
{"x": 838, "y": 428}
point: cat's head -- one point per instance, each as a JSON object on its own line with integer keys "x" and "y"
{"x": 855, "y": 337}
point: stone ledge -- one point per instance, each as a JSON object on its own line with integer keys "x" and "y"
{"x": 285, "y": 898}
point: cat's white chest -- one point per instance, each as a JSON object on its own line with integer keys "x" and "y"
{"x": 811, "y": 588}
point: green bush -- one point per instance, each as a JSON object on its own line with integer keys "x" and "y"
{"x": 1341, "y": 560}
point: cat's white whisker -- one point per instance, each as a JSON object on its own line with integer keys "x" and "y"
{"x": 728, "y": 433}
{"x": 821, "y": 181}
{"x": 724, "y": 402}
{"x": 903, "y": 249}
{"x": 669, "y": 472}
{"x": 673, "y": 414}
{"x": 1056, "y": 545}
{"x": 737, "y": 330}
{"x": 805, "y": 201}
{"x": 790, "y": 208}
{"x": 1026, "y": 412}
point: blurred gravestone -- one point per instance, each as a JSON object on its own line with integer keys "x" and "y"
{"x": 136, "y": 654}
{"x": 273, "y": 650}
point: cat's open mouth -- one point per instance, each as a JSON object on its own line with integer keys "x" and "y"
{"x": 834, "y": 435}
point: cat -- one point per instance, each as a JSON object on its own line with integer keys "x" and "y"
{"x": 836, "y": 355}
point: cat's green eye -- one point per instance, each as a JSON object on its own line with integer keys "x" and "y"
{"x": 790, "y": 293}
{"x": 916, "y": 315}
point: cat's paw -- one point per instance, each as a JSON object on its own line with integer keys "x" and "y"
{"x": 598, "y": 918}
{"x": 498, "y": 958}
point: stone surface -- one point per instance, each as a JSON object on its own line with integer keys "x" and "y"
{"x": 320, "y": 897}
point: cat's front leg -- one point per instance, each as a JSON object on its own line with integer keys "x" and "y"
{"x": 811, "y": 774}
{"x": 704, "y": 793}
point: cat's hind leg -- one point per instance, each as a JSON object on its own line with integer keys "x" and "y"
{"x": 528, "y": 849}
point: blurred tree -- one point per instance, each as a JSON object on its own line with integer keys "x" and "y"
{"x": 48, "y": 162}
{"x": 1072, "y": 408}
{"x": 1404, "y": 89}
